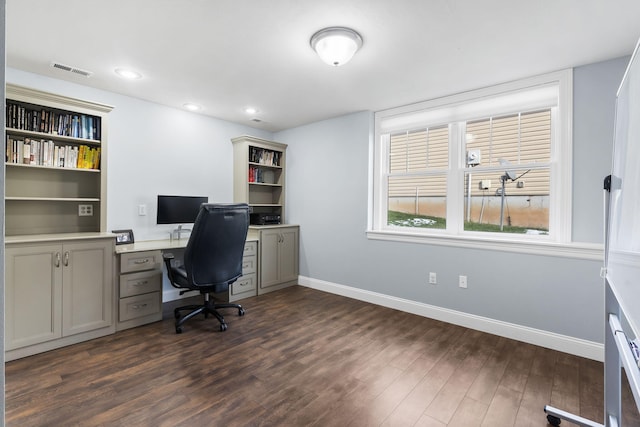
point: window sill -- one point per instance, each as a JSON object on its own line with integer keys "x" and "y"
{"x": 586, "y": 251}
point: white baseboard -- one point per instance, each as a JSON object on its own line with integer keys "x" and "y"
{"x": 579, "y": 347}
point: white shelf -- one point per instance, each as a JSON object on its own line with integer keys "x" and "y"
{"x": 23, "y": 165}
{"x": 249, "y": 176}
{"x": 53, "y": 199}
{"x": 262, "y": 165}
{"x": 43, "y": 200}
{"x": 53, "y": 136}
{"x": 265, "y": 184}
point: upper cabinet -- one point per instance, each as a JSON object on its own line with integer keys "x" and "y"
{"x": 259, "y": 174}
{"x": 55, "y": 163}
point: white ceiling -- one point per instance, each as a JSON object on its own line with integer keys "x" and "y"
{"x": 229, "y": 54}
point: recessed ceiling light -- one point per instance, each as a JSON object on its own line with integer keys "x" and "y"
{"x": 251, "y": 110}
{"x": 128, "y": 74}
{"x": 191, "y": 106}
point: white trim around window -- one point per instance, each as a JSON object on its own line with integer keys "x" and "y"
{"x": 553, "y": 90}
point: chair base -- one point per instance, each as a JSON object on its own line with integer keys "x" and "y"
{"x": 208, "y": 308}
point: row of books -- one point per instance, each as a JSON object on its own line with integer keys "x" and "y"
{"x": 46, "y": 153}
{"x": 54, "y": 122}
{"x": 264, "y": 157}
{"x": 257, "y": 174}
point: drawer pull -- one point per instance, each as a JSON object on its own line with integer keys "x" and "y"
{"x": 138, "y": 306}
{"x": 140, "y": 283}
{"x": 141, "y": 261}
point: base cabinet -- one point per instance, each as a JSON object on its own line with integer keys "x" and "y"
{"x": 140, "y": 289}
{"x": 246, "y": 285}
{"x": 57, "y": 294}
{"x": 278, "y": 257}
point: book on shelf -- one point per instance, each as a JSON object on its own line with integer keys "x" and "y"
{"x": 255, "y": 174}
{"x": 41, "y": 152}
{"x": 51, "y": 121}
{"x": 26, "y": 152}
{"x": 261, "y": 175}
{"x": 264, "y": 157}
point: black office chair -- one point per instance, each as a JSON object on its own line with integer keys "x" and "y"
{"x": 212, "y": 259}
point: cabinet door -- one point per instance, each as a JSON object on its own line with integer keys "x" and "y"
{"x": 33, "y": 294}
{"x": 278, "y": 257}
{"x": 87, "y": 286}
{"x": 288, "y": 254}
{"x": 269, "y": 258}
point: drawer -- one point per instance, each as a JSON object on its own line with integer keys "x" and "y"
{"x": 140, "y": 283}
{"x": 249, "y": 264}
{"x": 250, "y": 248}
{"x": 140, "y": 261}
{"x": 139, "y": 306}
{"x": 244, "y": 284}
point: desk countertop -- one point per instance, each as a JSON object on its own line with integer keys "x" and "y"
{"x": 152, "y": 245}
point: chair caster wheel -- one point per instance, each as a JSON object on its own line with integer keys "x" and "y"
{"x": 223, "y": 327}
{"x": 178, "y": 330}
{"x": 554, "y": 421}
{"x": 241, "y": 312}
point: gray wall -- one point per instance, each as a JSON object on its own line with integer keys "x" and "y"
{"x": 328, "y": 196}
{"x": 594, "y": 99}
{"x": 155, "y": 149}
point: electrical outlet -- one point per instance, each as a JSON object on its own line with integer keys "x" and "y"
{"x": 85, "y": 210}
{"x": 462, "y": 281}
{"x": 142, "y": 210}
{"x": 432, "y": 278}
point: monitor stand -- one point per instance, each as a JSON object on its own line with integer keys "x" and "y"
{"x": 178, "y": 231}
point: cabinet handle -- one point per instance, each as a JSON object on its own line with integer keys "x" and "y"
{"x": 141, "y": 261}
{"x": 140, "y": 283}
{"x": 57, "y": 259}
{"x": 137, "y": 306}
{"x": 66, "y": 258}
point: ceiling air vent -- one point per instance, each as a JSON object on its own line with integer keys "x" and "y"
{"x": 256, "y": 120}
{"x": 71, "y": 69}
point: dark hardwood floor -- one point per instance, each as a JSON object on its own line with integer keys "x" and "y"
{"x": 302, "y": 357}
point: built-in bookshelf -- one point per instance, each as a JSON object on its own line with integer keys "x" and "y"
{"x": 259, "y": 174}
{"x": 55, "y": 163}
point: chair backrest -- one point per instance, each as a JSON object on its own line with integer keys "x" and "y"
{"x": 213, "y": 256}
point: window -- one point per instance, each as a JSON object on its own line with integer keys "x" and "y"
{"x": 417, "y": 178}
{"x": 492, "y": 164}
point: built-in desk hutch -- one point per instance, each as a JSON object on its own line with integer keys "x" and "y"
{"x": 259, "y": 168}
{"x": 59, "y": 257}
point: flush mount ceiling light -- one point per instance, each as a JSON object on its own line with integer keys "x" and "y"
{"x": 251, "y": 110}
{"x": 336, "y": 45}
{"x": 128, "y": 74}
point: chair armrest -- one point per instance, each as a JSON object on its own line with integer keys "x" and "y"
{"x": 168, "y": 257}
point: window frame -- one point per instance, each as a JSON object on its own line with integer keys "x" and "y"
{"x": 505, "y": 98}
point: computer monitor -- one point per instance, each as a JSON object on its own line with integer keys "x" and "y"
{"x": 179, "y": 210}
